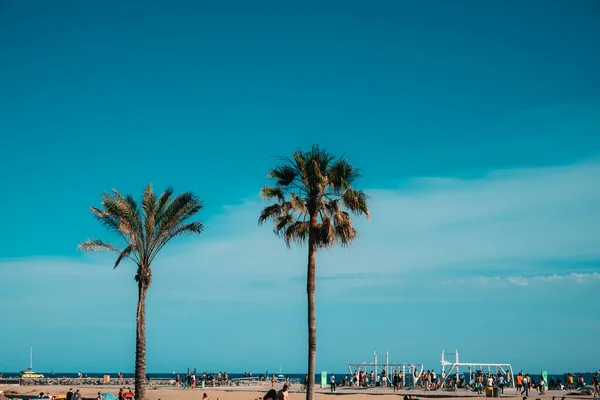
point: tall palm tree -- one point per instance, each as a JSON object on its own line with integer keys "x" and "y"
{"x": 144, "y": 232}
{"x": 312, "y": 190}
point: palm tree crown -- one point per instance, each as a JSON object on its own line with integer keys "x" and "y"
{"x": 146, "y": 230}
{"x": 310, "y": 183}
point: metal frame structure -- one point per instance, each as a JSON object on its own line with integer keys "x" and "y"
{"x": 455, "y": 367}
{"x": 412, "y": 367}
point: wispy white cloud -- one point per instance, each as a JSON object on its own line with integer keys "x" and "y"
{"x": 514, "y": 215}
{"x": 504, "y": 281}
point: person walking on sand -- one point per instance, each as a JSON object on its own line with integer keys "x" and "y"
{"x": 70, "y": 394}
{"x": 332, "y": 382}
{"x": 396, "y": 381}
{"x": 500, "y": 382}
{"x": 526, "y": 384}
{"x": 542, "y": 385}
{"x": 479, "y": 384}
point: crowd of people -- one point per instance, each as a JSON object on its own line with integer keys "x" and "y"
{"x": 478, "y": 381}
{"x": 192, "y": 379}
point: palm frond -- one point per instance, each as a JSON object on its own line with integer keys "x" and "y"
{"x": 341, "y": 218}
{"x": 126, "y": 253}
{"x": 270, "y": 212}
{"x": 322, "y": 157}
{"x": 196, "y": 227}
{"x": 356, "y": 201}
{"x": 134, "y": 217}
{"x": 318, "y": 176}
{"x": 117, "y": 206}
{"x": 326, "y": 233}
{"x": 332, "y": 207}
{"x": 149, "y": 208}
{"x": 345, "y": 233}
{"x": 282, "y": 222}
{"x": 109, "y": 221}
{"x": 284, "y": 174}
{"x": 298, "y": 204}
{"x": 97, "y": 245}
{"x": 163, "y": 203}
{"x": 273, "y": 192}
{"x": 297, "y": 232}
{"x": 131, "y": 219}
{"x": 341, "y": 175}
{"x": 298, "y": 162}
{"x": 179, "y": 210}
{"x": 180, "y": 230}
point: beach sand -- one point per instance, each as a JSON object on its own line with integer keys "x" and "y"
{"x": 253, "y": 392}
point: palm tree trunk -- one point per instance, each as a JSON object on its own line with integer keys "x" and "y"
{"x": 140, "y": 344}
{"x": 312, "y": 317}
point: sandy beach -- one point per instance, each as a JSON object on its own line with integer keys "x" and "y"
{"x": 254, "y": 392}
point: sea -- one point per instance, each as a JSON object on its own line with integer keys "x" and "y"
{"x": 294, "y": 377}
{"x": 161, "y": 375}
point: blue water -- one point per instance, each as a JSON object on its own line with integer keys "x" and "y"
{"x": 163, "y": 375}
{"x": 294, "y": 377}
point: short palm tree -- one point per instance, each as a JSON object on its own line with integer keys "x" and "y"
{"x": 312, "y": 192}
{"x": 144, "y": 232}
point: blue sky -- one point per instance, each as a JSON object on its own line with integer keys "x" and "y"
{"x": 476, "y": 126}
